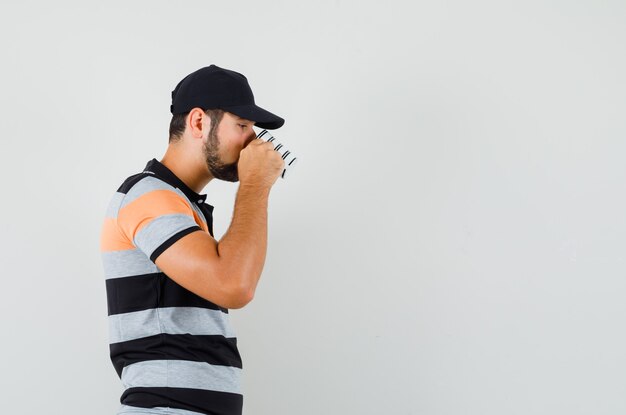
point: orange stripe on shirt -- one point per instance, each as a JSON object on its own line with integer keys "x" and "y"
{"x": 111, "y": 238}
{"x": 149, "y": 206}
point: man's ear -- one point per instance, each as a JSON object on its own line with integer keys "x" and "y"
{"x": 195, "y": 122}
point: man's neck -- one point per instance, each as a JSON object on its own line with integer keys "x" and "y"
{"x": 187, "y": 169}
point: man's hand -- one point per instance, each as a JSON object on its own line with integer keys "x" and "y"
{"x": 259, "y": 164}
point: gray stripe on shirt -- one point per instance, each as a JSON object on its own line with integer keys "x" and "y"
{"x": 182, "y": 374}
{"x": 169, "y": 320}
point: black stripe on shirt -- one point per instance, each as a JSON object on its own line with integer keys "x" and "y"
{"x": 212, "y": 349}
{"x": 144, "y": 292}
{"x": 199, "y": 400}
{"x": 170, "y": 241}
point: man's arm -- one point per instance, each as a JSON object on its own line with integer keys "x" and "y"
{"x": 225, "y": 273}
{"x": 244, "y": 245}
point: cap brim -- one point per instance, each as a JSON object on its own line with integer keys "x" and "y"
{"x": 262, "y": 118}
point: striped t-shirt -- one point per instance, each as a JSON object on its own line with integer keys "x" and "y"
{"x": 170, "y": 347}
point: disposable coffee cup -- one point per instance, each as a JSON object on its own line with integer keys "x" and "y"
{"x": 290, "y": 159}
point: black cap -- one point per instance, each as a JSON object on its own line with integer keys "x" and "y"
{"x": 213, "y": 87}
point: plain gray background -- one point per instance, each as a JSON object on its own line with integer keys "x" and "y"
{"x": 451, "y": 241}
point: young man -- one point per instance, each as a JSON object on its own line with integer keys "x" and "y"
{"x": 169, "y": 283}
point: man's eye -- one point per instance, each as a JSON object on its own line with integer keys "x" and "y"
{"x": 242, "y": 125}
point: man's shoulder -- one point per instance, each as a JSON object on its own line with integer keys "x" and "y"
{"x": 131, "y": 181}
{"x": 138, "y": 185}
{"x": 146, "y": 184}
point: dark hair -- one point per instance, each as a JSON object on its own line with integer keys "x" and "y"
{"x": 178, "y": 123}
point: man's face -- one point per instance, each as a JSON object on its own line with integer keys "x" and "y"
{"x": 224, "y": 143}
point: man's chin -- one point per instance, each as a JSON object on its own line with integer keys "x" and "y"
{"x": 227, "y": 177}
{"x": 226, "y": 173}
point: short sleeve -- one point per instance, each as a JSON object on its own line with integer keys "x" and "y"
{"x": 155, "y": 219}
